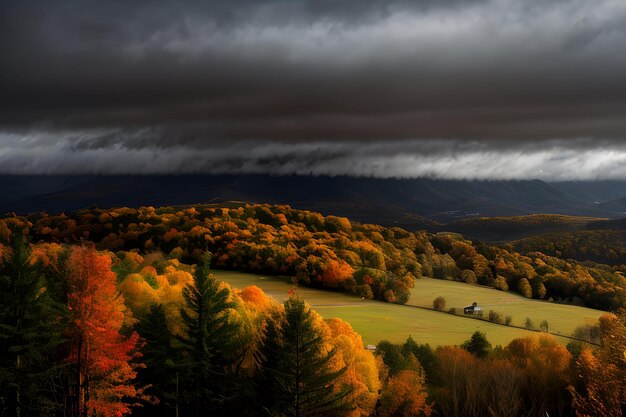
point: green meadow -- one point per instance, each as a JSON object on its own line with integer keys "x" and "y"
{"x": 376, "y": 320}
{"x": 562, "y": 318}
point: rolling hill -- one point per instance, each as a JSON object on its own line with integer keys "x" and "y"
{"x": 409, "y": 203}
{"x": 508, "y": 228}
{"x": 377, "y": 320}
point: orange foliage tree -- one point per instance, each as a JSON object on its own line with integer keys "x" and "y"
{"x": 405, "y": 395}
{"x": 474, "y": 387}
{"x": 361, "y": 376}
{"x": 603, "y": 372}
{"x": 278, "y": 239}
{"x": 100, "y": 355}
{"x": 335, "y": 272}
{"x": 545, "y": 368}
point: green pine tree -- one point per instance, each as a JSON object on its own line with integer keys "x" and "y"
{"x": 294, "y": 378}
{"x": 161, "y": 360}
{"x": 423, "y": 353}
{"x": 477, "y": 345}
{"x": 208, "y": 379}
{"x": 29, "y": 334}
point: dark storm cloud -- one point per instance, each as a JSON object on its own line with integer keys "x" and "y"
{"x": 50, "y": 153}
{"x": 94, "y": 81}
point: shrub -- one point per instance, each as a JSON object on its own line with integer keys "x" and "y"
{"x": 452, "y": 310}
{"x": 365, "y": 291}
{"x": 495, "y": 317}
{"x": 439, "y": 303}
{"x": 389, "y": 296}
{"x": 528, "y": 323}
{"x": 500, "y": 283}
{"x": 469, "y": 277}
{"x": 508, "y": 320}
{"x": 538, "y": 288}
{"x": 588, "y": 332}
{"x": 523, "y": 287}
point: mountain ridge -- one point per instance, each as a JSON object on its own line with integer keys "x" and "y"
{"x": 408, "y": 203}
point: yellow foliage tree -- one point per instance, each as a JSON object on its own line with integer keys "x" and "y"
{"x": 603, "y": 372}
{"x": 361, "y": 375}
{"x": 139, "y": 296}
{"x": 405, "y": 395}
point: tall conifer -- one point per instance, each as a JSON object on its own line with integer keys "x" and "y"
{"x": 29, "y": 333}
{"x": 209, "y": 342}
{"x": 296, "y": 377}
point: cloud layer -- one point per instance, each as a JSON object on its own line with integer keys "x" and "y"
{"x": 446, "y": 159}
{"x": 321, "y": 86}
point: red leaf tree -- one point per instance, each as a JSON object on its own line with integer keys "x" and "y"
{"x": 101, "y": 356}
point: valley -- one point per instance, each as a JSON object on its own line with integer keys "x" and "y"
{"x": 376, "y": 320}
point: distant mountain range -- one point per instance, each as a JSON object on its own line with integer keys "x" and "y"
{"x": 409, "y": 203}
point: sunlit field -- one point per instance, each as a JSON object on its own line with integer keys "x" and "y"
{"x": 562, "y": 318}
{"x": 376, "y": 320}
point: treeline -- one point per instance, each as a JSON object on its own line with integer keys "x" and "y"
{"x": 602, "y": 246}
{"x": 531, "y": 376}
{"x": 331, "y": 252}
{"x": 72, "y": 344}
{"x": 65, "y": 346}
{"x": 88, "y": 333}
{"x": 507, "y": 228}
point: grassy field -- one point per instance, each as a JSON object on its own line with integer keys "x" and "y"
{"x": 376, "y": 320}
{"x": 562, "y": 319}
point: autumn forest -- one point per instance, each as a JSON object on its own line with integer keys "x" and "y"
{"x": 312, "y": 208}
{"x": 116, "y": 312}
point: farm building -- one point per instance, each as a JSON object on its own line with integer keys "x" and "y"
{"x": 473, "y": 310}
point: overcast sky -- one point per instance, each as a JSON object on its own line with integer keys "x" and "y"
{"x": 400, "y": 88}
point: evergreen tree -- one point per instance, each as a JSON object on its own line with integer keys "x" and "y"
{"x": 160, "y": 356}
{"x": 423, "y": 353}
{"x": 477, "y": 345}
{"x": 393, "y": 356}
{"x": 209, "y": 345}
{"x": 295, "y": 377}
{"x": 29, "y": 334}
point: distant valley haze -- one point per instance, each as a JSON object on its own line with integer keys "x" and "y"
{"x": 414, "y": 204}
